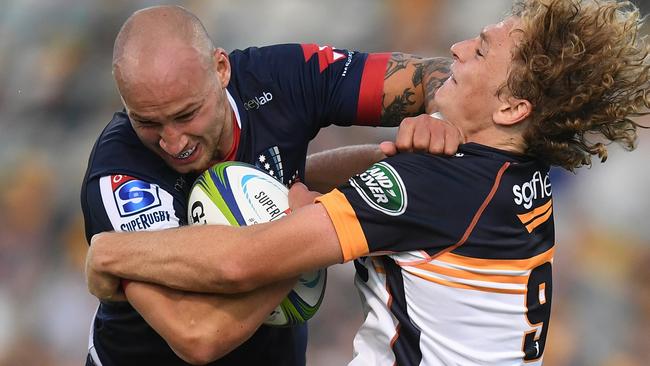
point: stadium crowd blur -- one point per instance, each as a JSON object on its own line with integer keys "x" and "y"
{"x": 57, "y": 93}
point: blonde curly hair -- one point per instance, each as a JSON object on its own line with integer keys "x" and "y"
{"x": 584, "y": 67}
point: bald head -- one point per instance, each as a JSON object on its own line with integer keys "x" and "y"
{"x": 154, "y": 39}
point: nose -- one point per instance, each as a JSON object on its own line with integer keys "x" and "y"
{"x": 457, "y": 50}
{"x": 172, "y": 141}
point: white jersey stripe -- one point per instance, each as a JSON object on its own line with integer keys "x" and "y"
{"x": 512, "y": 288}
{"x": 91, "y": 343}
{"x": 487, "y": 271}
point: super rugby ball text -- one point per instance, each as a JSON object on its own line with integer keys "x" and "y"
{"x": 238, "y": 194}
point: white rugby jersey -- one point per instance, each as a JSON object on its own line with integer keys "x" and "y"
{"x": 454, "y": 258}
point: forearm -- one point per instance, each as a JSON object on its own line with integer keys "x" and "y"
{"x": 436, "y": 71}
{"x": 329, "y": 169}
{"x": 181, "y": 258}
{"x": 410, "y": 84}
{"x": 221, "y": 259}
{"x": 199, "y": 327}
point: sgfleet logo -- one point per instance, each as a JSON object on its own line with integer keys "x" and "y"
{"x": 133, "y": 196}
{"x": 146, "y": 220}
{"x": 382, "y": 188}
{"x": 258, "y": 101}
{"x": 538, "y": 187}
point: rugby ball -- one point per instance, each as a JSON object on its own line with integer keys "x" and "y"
{"x": 239, "y": 194}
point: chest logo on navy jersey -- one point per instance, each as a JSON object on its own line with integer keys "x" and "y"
{"x": 270, "y": 160}
{"x": 258, "y": 101}
{"x": 133, "y": 196}
{"x": 382, "y": 188}
{"x": 539, "y": 187}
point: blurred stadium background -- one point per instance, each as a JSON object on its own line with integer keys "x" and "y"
{"x": 57, "y": 93}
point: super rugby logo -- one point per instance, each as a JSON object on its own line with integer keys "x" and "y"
{"x": 262, "y": 198}
{"x": 382, "y": 189}
{"x": 133, "y": 196}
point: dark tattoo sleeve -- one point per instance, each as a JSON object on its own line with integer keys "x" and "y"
{"x": 398, "y": 107}
{"x": 410, "y": 86}
{"x": 436, "y": 71}
{"x": 396, "y": 63}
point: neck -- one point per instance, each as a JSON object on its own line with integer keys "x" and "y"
{"x": 502, "y": 138}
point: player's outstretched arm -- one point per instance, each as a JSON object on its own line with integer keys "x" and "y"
{"x": 220, "y": 259}
{"x": 329, "y": 169}
{"x": 201, "y": 328}
{"x": 410, "y": 85}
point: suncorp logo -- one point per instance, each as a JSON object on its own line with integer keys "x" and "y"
{"x": 537, "y": 187}
{"x": 257, "y": 102}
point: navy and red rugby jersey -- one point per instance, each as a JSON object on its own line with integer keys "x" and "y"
{"x": 453, "y": 257}
{"x": 282, "y": 96}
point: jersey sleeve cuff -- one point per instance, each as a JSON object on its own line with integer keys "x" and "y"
{"x": 348, "y": 229}
{"x": 372, "y": 89}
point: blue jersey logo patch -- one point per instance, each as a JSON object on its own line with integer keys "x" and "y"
{"x": 133, "y": 196}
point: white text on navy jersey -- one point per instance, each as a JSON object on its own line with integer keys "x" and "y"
{"x": 257, "y": 102}
{"x": 537, "y": 187}
{"x": 145, "y": 221}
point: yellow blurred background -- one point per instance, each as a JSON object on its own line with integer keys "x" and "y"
{"x": 57, "y": 93}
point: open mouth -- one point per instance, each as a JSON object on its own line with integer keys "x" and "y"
{"x": 186, "y": 154}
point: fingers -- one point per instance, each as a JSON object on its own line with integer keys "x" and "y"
{"x": 102, "y": 285}
{"x": 453, "y": 138}
{"x": 300, "y": 195}
{"x": 424, "y": 138}
{"x": 426, "y": 133}
{"x": 405, "y": 133}
{"x": 388, "y": 148}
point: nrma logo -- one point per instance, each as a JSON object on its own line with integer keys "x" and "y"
{"x": 382, "y": 189}
{"x": 538, "y": 187}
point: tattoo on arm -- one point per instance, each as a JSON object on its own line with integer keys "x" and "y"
{"x": 435, "y": 73}
{"x": 396, "y": 63}
{"x": 410, "y": 84}
{"x": 398, "y": 108}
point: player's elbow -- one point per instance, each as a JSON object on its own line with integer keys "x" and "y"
{"x": 202, "y": 346}
{"x": 235, "y": 276}
{"x": 199, "y": 355}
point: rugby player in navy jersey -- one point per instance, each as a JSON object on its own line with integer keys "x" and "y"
{"x": 453, "y": 254}
{"x": 189, "y": 105}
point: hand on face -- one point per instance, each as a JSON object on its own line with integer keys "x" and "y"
{"x": 102, "y": 285}
{"x": 300, "y": 195}
{"x": 425, "y": 133}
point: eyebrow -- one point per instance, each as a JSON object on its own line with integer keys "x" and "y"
{"x": 185, "y": 110}
{"x": 133, "y": 115}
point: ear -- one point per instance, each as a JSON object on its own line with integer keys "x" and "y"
{"x": 222, "y": 66}
{"x": 512, "y": 111}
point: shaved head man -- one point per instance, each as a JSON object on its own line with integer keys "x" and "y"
{"x": 165, "y": 64}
